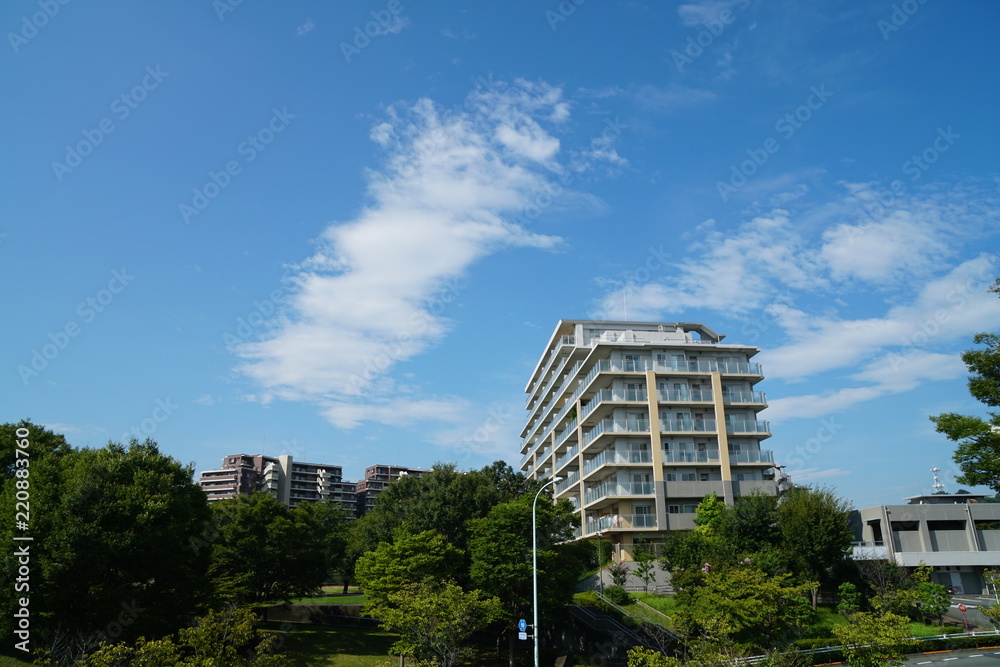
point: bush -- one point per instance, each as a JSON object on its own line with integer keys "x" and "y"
{"x": 616, "y": 595}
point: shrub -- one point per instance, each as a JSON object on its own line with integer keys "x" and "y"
{"x": 616, "y": 595}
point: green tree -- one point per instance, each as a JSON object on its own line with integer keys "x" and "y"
{"x": 264, "y": 550}
{"x": 501, "y": 558}
{"x": 708, "y": 514}
{"x": 932, "y": 600}
{"x": 639, "y": 656}
{"x": 743, "y": 604}
{"x": 110, "y": 556}
{"x": 443, "y": 500}
{"x": 227, "y": 638}
{"x": 750, "y": 524}
{"x": 815, "y": 534}
{"x": 421, "y": 558}
{"x": 645, "y": 564}
{"x": 619, "y": 573}
{"x": 850, "y": 599}
{"x": 872, "y": 639}
{"x": 978, "y": 450}
{"x": 436, "y": 620}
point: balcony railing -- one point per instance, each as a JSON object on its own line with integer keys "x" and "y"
{"x": 627, "y": 489}
{"x": 765, "y": 456}
{"x": 622, "y": 396}
{"x": 571, "y": 479}
{"x": 618, "y": 458}
{"x": 684, "y": 396}
{"x": 615, "y": 521}
{"x": 627, "y": 426}
{"x": 568, "y": 431}
{"x": 565, "y": 458}
{"x": 739, "y": 426}
{"x": 687, "y": 425}
{"x": 744, "y": 397}
{"x": 686, "y": 456}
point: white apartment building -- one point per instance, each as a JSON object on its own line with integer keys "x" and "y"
{"x": 642, "y": 420}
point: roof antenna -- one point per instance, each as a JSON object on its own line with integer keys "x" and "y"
{"x": 625, "y": 301}
{"x": 938, "y": 486}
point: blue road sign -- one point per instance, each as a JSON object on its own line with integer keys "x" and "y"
{"x": 522, "y": 625}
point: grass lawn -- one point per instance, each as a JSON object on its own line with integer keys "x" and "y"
{"x": 6, "y": 661}
{"x": 665, "y": 604}
{"x": 332, "y": 599}
{"x": 340, "y": 647}
{"x": 313, "y": 646}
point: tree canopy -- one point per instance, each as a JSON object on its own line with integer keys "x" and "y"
{"x": 111, "y": 527}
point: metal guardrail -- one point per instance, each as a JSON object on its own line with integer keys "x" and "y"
{"x": 754, "y": 659}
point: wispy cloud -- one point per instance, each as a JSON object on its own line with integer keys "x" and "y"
{"x": 792, "y": 272}
{"x": 376, "y": 290}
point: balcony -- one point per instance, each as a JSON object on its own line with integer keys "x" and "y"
{"x": 687, "y": 426}
{"x": 620, "y": 522}
{"x": 688, "y": 456}
{"x": 564, "y": 436}
{"x": 764, "y": 456}
{"x": 740, "y": 426}
{"x": 738, "y": 397}
{"x": 607, "y": 395}
{"x": 615, "y": 458}
{"x": 610, "y": 489}
{"x": 572, "y": 478}
{"x": 684, "y": 396}
{"x": 627, "y": 426}
{"x": 565, "y": 458}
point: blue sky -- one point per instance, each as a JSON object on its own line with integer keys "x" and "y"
{"x": 345, "y": 232}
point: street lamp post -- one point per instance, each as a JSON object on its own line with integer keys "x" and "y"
{"x": 534, "y": 564}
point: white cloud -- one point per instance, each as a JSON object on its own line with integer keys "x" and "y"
{"x": 396, "y": 412}
{"x": 376, "y": 289}
{"x": 952, "y": 307}
{"x": 791, "y": 275}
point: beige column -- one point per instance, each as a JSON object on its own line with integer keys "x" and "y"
{"x": 659, "y": 487}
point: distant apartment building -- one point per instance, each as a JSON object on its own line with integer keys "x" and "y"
{"x": 289, "y": 481}
{"x": 641, "y": 421}
{"x": 957, "y": 534}
{"x": 377, "y": 477}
